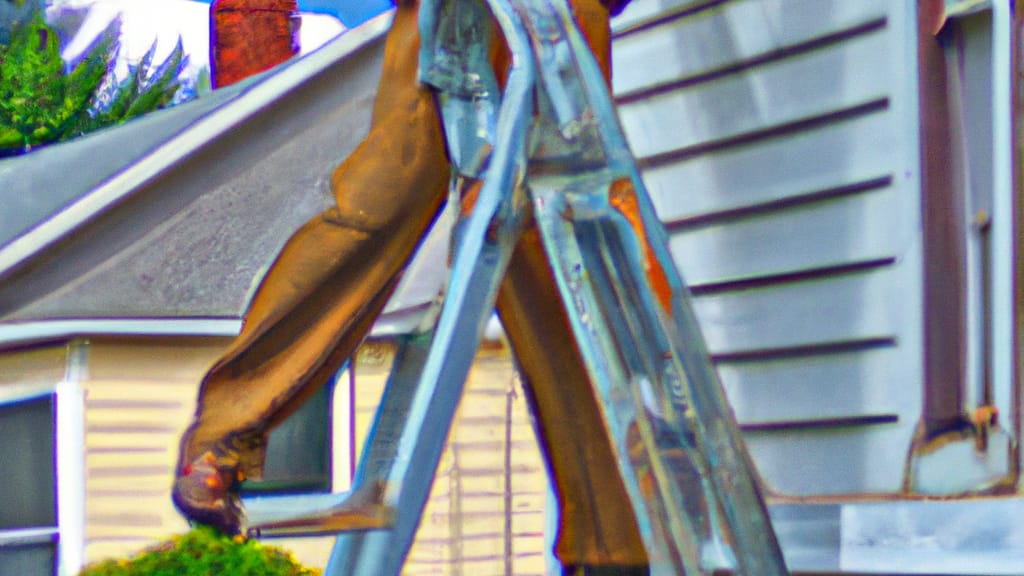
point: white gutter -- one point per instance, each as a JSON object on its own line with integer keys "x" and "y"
{"x": 22, "y": 333}
{"x": 18, "y": 334}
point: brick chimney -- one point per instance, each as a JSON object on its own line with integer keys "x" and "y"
{"x": 250, "y": 36}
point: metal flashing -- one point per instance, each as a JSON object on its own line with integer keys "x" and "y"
{"x": 18, "y": 334}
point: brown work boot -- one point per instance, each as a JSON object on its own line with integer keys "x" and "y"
{"x": 206, "y": 492}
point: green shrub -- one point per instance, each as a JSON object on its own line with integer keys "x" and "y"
{"x": 205, "y": 552}
{"x": 41, "y": 102}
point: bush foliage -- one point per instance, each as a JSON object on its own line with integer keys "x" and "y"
{"x": 41, "y": 101}
{"x": 205, "y": 552}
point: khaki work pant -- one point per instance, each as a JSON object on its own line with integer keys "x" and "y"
{"x": 327, "y": 286}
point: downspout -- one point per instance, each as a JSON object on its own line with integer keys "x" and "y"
{"x": 944, "y": 232}
{"x": 954, "y": 454}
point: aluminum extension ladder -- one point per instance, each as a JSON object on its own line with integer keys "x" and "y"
{"x": 648, "y": 364}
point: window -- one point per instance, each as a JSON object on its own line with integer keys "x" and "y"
{"x": 299, "y": 450}
{"x": 28, "y": 509}
{"x": 42, "y": 477}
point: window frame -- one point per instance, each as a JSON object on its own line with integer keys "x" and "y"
{"x": 269, "y": 504}
{"x": 68, "y": 427}
{"x": 271, "y": 487}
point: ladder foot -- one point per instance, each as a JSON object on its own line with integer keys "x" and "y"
{"x": 363, "y": 509}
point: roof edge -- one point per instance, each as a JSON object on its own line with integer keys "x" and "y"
{"x": 164, "y": 157}
{"x": 19, "y": 334}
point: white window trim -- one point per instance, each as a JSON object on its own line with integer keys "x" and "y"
{"x": 69, "y": 533}
{"x": 71, "y": 460}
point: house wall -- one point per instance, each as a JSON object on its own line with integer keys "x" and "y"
{"x": 139, "y": 397}
{"x": 486, "y": 513}
{"x": 779, "y": 143}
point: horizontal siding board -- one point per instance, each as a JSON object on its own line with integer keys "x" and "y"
{"x": 482, "y": 484}
{"x": 642, "y": 11}
{"x": 448, "y": 541}
{"x": 833, "y": 156}
{"x": 128, "y": 534}
{"x": 482, "y": 469}
{"x": 25, "y": 368}
{"x": 480, "y": 523}
{"x": 170, "y": 390}
{"x": 786, "y": 390}
{"x": 710, "y": 39}
{"x": 532, "y": 525}
{"x": 94, "y": 403}
{"x": 97, "y": 494}
{"x": 134, "y": 364}
{"x": 857, "y": 228}
{"x": 480, "y": 405}
{"x": 131, "y": 428}
{"x": 446, "y": 493}
{"x": 114, "y": 441}
{"x": 814, "y": 84}
{"x": 146, "y": 484}
{"x": 481, "y": 505}
{"x": 853, "y": 460}
{"x": 129, "y": 472}
{"x": 522, "y": 436}
{"x": 126, "y": 519}
{"x": 141, "y": 416}
{"x": 146, "y": 459}
{"x": 470, "y": 445}
{"x": 848, "y": 307}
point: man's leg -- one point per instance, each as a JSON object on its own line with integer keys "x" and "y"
{"x": 598, "y": 533}
{"x": 322, "y": 294}
{"x": 597, "y": 527}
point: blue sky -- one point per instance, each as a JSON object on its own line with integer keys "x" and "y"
{"x": 350, "y": 12}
